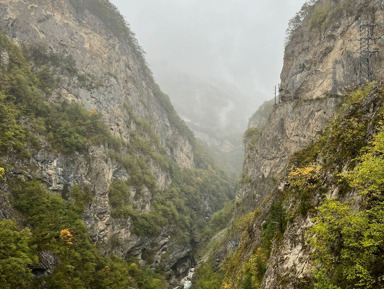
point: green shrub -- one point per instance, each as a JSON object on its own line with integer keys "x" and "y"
{"x": 16, "y": 256}
{"x": 347, "y": 240}
{"x": 319, "y": 18}
{"x": 207, "y": 277}
{"x": 81, "y": 265}
{"x": 368, "y": 175}
{"x": 251, "y": 137}
{"x": 67, "y": 126}
{"x": 275, "y": 225}
{"x": 119, "y": 193}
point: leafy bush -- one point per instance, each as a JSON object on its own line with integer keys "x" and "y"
{"x": 207, "y": 277}
{"x": 221, "y": 218}
{"x": 348, "y": 241}
{"x": 304, "y": 182}
{"x": 251, "y": 137}
{"x": 326, "y": 13}
{"x": 254, "y": 270}
{"x": 295, "y": 22}
{"x": 368, "y": 175}
{"x": 276, "y": 224}
{"x": 72, "y": 127}
{"x": 16, "y": 256}
{"x": 56, "y": 226}
{"x": 119, "y": 193}
{"x": 139, "y": 172}
{"x": 319, "y": 18}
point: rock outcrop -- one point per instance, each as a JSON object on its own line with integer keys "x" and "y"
{"x": 290, "y": 127}
{"x": 322, "y": 55}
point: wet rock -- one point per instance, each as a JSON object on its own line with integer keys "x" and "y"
{"x": 46, "y": 266}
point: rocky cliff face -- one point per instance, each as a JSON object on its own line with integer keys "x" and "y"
{"x": 269, "y": 147}
{"x": 320, "y": 61}
{"x": 320, "y": 64}
{"x": 322, "y": 55}
{"x": 290, "y": 127}
{"x": 115, "y": 65}
{"x": 287, "y": 258}
{"x": 95, "y": 62}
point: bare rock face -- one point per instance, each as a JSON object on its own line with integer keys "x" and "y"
{"x": 290, "y": 263}
{"x": 47, "y": 263}
{"x": 291, "y": 127}
{"x": 323, "y": 58}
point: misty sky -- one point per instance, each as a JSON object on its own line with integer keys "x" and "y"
{"x": 240, "y": 41}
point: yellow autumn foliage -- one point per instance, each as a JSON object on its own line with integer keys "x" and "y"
{"x": 302, "y": 177}
{"x": 66, "y": 236}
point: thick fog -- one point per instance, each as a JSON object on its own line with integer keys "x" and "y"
{"x": 239, "y": 41}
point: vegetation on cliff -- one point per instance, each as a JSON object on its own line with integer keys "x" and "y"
{"x": 347, "y": 231}
{"x": 348, "y": 239}
{"x": 26, "y": 118}
{"x": 52, "y": 221}
{"x": 56, "y": 227}
{"x": 318, "y": 15}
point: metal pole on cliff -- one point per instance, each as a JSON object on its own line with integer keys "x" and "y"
{"x": 334, "y": 77}
{"x": 275, "y": 96}
{"x": 366, "y": 37}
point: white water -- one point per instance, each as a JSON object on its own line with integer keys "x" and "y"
{"x": 187, "y": 280}
{"x": 187, "y": 284}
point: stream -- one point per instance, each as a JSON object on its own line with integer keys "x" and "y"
{"x": 187, "y": 280}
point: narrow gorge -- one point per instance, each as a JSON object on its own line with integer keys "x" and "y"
{"x": 103, "y": 185}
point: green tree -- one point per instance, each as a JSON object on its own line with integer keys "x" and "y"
{"x": 16, "y": 256}
{"x": 349, "y": 244}
{"x": 368, "y": 175}
{"x": 207, "y": 277}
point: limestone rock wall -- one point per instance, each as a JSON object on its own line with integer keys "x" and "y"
{"x": 113, "y": 63}
{"x": 111, "y": 78}
{"x": 323, "y": 58}
{"x": 291, "y": 126}
{"x": 320, "y": 64}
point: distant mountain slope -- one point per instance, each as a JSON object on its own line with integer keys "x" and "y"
{"x": 215, "y": 110}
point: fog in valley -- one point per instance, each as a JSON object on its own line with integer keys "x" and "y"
{"x": 217, "y": 60}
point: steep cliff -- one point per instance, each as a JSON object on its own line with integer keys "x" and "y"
{"x": 290, "y": 126}
{"x": 322, "y": 53}
{"x": 82, "y": 118}
{"x": 303, "y": 235}
{"x": 320, "y": 62}
{"x": 306, "y": 174}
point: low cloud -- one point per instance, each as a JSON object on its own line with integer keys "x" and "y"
{"x": 239, "y": 41}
